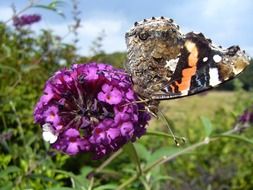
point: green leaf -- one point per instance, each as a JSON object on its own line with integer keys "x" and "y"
{"x": 207, "y": 126}
{"x": 52, "y": 7}
{"x": 7, "y": 186}
{"x": 48, "y": 7}
{"x": 106, "y": 187}
{"x": 131, "y": 151}
{"x": 142, "y": 151}
{"x": 164, "y": 151}
{"x": 86, "y": 170}
{"x": 76, "y": 182}
{"x": 56, "y": 3}
{"x": 43, "y": 178}
{"x": 8, "y": 170}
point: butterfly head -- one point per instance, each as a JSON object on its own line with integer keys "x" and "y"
{"x": 156, "y": 38}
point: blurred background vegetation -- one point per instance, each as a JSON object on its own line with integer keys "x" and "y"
{"x": 28, "y": 59}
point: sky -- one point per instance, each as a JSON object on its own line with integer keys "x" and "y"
{"x": 226, "y": 22}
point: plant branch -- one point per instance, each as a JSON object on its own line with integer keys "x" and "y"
{"x": 31, "y": 4}
{"x": 164, "y": 159}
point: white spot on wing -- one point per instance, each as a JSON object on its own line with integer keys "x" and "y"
{"x": 214, "y": 77}
{"x": 205, "y": 59}
{"x": 217, "y": 58}
{"x": 237, "y": 71}
{"x": 172, "y": 64}
{"x": 185, "y": 92}
{"x": 48, "y": 134}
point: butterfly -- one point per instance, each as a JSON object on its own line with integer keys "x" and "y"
{"x": 164, "y": 63}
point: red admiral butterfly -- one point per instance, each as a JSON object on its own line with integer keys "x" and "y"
{"x": 165, "y": 63}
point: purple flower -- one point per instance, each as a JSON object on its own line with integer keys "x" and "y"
{"x": 19, "y": 21}
{"x": 90, "y": 108}
{"x": 247, "y": 116}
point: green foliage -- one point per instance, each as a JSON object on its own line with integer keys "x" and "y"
{"x": 207, "y": 158}
{"x": 26, "y": 63}
{"x": 116, "y": 59}
{"x": 246, "y": 77}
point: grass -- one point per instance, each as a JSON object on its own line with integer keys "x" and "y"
{"x": 186, "y": 112}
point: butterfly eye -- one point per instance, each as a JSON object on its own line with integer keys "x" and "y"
{"x": 143, "y": 35}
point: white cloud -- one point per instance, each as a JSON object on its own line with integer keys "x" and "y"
{"x": 114, "y": 29}
{"x": 91, "y": 28}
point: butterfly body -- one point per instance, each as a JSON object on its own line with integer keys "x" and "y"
{"x": 165, "y": 63}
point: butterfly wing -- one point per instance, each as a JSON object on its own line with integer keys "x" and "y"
{"x": 201, "y": 66}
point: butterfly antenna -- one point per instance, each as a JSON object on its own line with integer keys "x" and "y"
{"x": 169, "y": 128}
{"x": 136, "y": 102}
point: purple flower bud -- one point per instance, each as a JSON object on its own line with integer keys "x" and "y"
{"x": 19, "y": 21}
{"x": 90, "y": 108}
{"x": 247, "y": 116}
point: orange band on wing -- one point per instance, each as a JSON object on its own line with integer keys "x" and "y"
{"x": 187, "y": 73}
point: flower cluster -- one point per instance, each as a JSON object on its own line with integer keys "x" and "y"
{"x": 247, "y": 116}
{"x": 19, "y": 21}
{"x": 90, "y": 108}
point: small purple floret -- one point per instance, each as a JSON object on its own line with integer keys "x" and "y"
{"x": 90, "y": 108}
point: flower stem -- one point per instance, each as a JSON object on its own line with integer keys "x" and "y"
{"x": 128, "y": 182}
{"x": 108, "y": 161}
{"x": 168, "y": 158}
{"x": 159, "y": 162}
{"x": 165, "y": 159}
{"x": 91, "y": 184}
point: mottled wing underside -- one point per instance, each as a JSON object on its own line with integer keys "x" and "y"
{"x": 165, "y": 63}
{"x": 151, "y": 44}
